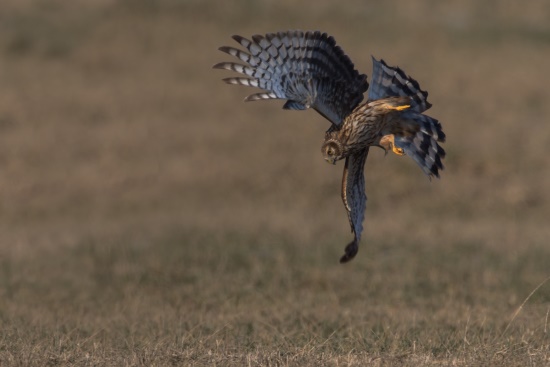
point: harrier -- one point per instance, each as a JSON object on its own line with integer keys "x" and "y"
{"x": 309, "y": 70}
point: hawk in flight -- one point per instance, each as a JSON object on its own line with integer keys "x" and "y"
{"x": 309, "y": 70}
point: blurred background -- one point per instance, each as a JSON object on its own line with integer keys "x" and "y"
{"x": 111, "y": 117}
{"x": 127, "y": 168}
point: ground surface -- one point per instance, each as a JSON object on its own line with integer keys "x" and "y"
{"x": 149, "y": 217}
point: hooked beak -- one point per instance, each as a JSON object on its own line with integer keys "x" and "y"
{"x": 330, "y": 160}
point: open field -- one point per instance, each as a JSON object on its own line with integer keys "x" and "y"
{"x": 149, "y": 217}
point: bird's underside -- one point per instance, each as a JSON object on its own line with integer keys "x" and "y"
{"x": 308, "y": 70}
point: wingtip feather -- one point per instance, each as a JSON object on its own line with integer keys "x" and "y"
{"x": 224, "y": 49}
{"x": 220, "y": 65}
{"x": 351, "y": 250}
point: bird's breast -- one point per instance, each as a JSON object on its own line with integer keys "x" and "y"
{"x": 361, "y": 129}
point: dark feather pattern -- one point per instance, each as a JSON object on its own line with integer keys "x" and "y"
{"x": 388, "y": 81}
{"x": 355, "y": 199}
{"x": 308, "y": 70}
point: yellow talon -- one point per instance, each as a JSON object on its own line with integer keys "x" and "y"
{"x": 398, "y": 151}
{"x": 392, "y": 107}
{"x": 388, "y": 142}
{"x": 401, "y": 108}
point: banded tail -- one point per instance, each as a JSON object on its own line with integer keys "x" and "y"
{"x": 422, "y": 145}
{"x": 420, "y": 133}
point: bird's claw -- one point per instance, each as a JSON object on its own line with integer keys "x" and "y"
{"x": 398, "y": 151}
{"x": 388, "y": 142}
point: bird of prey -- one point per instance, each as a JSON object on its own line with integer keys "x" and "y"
{"x": 308, "y": 70}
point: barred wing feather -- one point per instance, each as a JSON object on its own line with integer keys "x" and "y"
{"x": 306, "y": 68}
{"x": 389, "y": 81}
{"x": 355, "y": 199}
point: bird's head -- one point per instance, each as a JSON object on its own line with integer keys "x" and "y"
{"x": 332, "y": 151}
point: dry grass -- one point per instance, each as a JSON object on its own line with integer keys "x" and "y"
{"x": 148, "y": 217}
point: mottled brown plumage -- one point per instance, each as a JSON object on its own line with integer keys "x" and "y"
{"x": 309, "y": 70}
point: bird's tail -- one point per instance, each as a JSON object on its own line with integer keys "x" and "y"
{"x": 420, "y": 141}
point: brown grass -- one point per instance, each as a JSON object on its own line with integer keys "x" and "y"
{"x": 148, "y": 217}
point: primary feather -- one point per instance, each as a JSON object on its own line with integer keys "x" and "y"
{"x": 306, "y": 68}
{"x": 309, "y": 70}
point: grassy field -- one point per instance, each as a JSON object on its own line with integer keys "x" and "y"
{"x": 149, "y": 217}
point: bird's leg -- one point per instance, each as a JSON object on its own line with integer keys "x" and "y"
{"x": 400, "y": 108}
{"x": 393, "y": 104}
{"x": 388, "y": 142}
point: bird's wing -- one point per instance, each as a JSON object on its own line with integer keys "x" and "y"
{"x": 421, "y": 143}
{"x": 355, "y": 199}
{"x": 388, "y": 81}
{"x": 307, "y": 69}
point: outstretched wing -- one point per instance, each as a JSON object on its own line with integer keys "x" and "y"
{"x": 355, "y": 199}
{"x": 306, "y": 68}
{"x": 388, "y": 81}
{"x": 421, "y": 145}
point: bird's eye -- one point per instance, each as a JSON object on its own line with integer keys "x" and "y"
{"x": 330, "y": 152}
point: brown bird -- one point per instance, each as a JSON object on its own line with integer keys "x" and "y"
{"x": 309, "y": 70}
